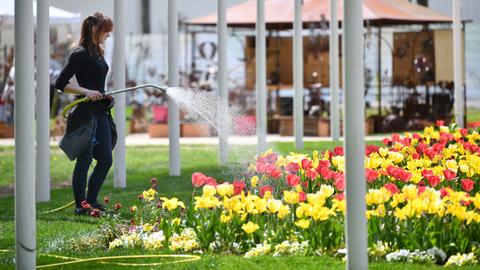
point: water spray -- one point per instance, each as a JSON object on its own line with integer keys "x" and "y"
{"x": 67, "y": 108}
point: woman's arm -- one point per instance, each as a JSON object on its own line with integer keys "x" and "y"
{"x": 75, "y": 89}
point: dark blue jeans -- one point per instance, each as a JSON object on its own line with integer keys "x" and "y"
{"x": 102, "y": 153}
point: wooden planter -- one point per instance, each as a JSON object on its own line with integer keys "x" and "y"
{"x": 158, "y": 130}
{"x": 194, "y": 130}
{"x": 6, "y": 130}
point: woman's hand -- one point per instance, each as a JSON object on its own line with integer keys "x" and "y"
{"x": 93, "y": 95}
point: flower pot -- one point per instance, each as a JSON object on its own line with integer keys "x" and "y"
{"x": 158, "y": 130}
{"x": 194, "y": 130}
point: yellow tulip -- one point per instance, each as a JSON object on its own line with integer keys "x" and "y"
{"x": 254, "y": 181}
{"x": 321, "y": 213}
{"x": 225, "y": 189}
{"x": 250, "y": 227}
{"x": 147, "y": 227}
{"x": 172, "y": 204}
{"x": 176, "y": 221}
{"x": 303, "y": 223}
{"x": 149, "y": 195}
{"x": 225, "y": 218}
{"x": 283, "y": 211}
{"x": 209, "y": 190}
{"x": 290, "y": 197}
{"x": 273, "y": 205}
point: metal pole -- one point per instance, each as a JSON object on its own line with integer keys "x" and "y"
{"x": 379, "y": 71}
{"x": 261, "y": 70}
{"x": 173, "y": 111}
{"x": 354, "y": 132}
{"x": 119, "y": 168}
{"x": 24, "y": 137}
{"x": 222, "y": 83}
{"x": 298, "y": 74}
{"x": 42, "y": 171}
{"x": 334, "y": 76}
{"x": 458, "y": 63}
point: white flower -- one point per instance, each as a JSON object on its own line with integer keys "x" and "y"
{"x": 115, "y": 243}
{"x": 259, "y": 250}
{"x": 462, "y": 259}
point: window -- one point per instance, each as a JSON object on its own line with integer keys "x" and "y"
{"x": 423, "y": 2}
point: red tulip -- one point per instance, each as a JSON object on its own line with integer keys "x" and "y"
{"x": 210, "y": 181}
{"x": 293, "y": 180}
{"x": 467, "y": 184}
{"x": 326, "y": 173}
{"x": 340, "y": 183}
{"x": 292, "y": 167}
{"x": 265, "y": 189}
{"x": 85, "y": 205}
{"x": 301, "y": 196}
{"x": 443, "y": 192}
{"x": 274, "y": 172}
{"x": 198, "y": 179}
{"x": 117, "y": 206}
{"x": 391, "y": 187}
{"x": 440, "y": 123}
{"x": 306, "y": 164}
{"x": 238, "y": 187}
{"x": 312, "y": 174}
{"x": 371, "y": 175}
{"x": 449, "y": 174}
{"x": 106, "y": 200}
{"x": 433, "y": 180}
{"x": 323, "y": 164}
{"x": 371, "y": 149}
{"x": 340, "y": 196}
{"x": 338, "y": 151}
{"x": 427, "y": 173}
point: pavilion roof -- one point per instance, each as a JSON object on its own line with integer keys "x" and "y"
{"x": 280, "y": 13}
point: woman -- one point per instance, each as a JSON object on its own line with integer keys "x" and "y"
{"x": 88, "y": 65}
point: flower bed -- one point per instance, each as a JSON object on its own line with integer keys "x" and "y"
{"x": 423, "y": 204}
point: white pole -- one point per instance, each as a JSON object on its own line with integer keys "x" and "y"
{"x": 222, "y": 83}
{"x": 261, "y": 70}
{"x": 458, "y": 63}
{"x": 43, "y": 100}
{"x": 334, "y": 78}
{"x": 173, "y": 111}
{"x": 354, "y": 132}
{"x": 298, "y": 75}
{"x": 119, "y": 167}
{"x": 24, "y": 137}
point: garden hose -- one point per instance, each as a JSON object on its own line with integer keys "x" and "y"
{"x": 111, "y": 93}
{"x": 73, "y": 260}
{"x": 58, "y": 209}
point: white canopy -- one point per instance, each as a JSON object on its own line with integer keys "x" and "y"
{"x": 57, "y": 15}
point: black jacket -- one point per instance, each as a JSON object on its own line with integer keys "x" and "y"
{"x": 90, "y": 71}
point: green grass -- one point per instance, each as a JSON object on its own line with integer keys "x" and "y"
{"x": 56, "y": 231}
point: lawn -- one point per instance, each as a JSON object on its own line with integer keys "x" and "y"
{"x": 55, "y": 232}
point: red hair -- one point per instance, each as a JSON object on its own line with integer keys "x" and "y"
{"x": 89, "y": 39}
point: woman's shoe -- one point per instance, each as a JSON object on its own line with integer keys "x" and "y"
{"x": 99, "y": 206}
{"x": 81, "y": 211}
